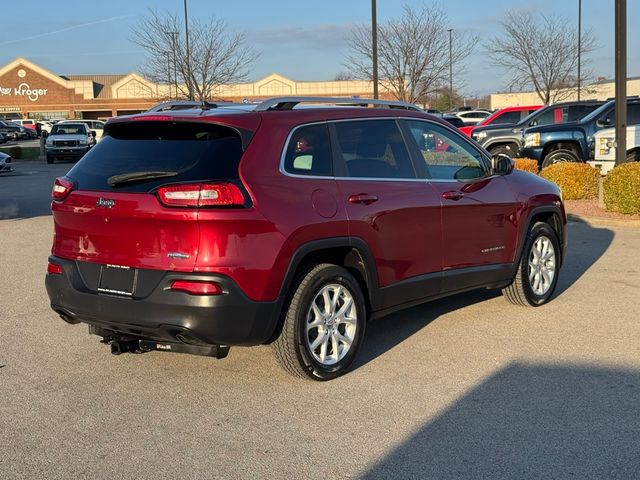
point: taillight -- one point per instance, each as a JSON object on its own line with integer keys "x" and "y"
{"x": 54, "y": 269}
{"x": 61, "y": 188}
{"x": 196, "y": 287}
{"x": 201, "y": 195}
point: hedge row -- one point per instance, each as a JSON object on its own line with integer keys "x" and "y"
{"x": 621, "y": 186}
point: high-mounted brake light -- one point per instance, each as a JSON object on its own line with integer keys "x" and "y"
{"x": 201, "y": 195}
{"x": 153, "y": 118}
{"x": 197, "y": 288}
{"x": 61, "y": 188}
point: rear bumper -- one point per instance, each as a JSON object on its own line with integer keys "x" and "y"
{"x": 163, "y": 314}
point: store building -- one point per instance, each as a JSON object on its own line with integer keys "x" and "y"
{"x": 30, "y": 91}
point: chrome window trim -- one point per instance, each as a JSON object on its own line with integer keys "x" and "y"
{"x": 341, "y": 120}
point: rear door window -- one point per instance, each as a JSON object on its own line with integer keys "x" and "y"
{"x": 184, "y": 151}
{"x": 372, "y": 149}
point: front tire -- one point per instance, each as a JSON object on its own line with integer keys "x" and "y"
{"x": 559, "y": 156}
{"x": 537, "y": 274}
{"x": 324, "y": 324}
{"x": 503, "y": 150}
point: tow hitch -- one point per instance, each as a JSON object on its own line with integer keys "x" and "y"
{"x": 121, "y": 345}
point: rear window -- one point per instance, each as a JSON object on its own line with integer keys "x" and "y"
{"x": 191, "y": 152}
{"x": 507, "y": 117}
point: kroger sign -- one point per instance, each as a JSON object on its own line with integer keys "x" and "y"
{"x": 24, "y": 90}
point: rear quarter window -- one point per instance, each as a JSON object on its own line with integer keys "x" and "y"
{"x": 195, "y": 151}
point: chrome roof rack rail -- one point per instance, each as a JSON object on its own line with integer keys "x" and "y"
{"x": 288, "y": 103}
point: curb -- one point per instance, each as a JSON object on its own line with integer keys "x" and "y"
{"x": 603, "y": 221}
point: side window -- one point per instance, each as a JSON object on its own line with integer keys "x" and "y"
{"x": 373, "y": 149}
{"x": 547, "y": 117}
{"x": 445, "y": 156}
{"x": 633, "y": 113}
{"x": 507, "y": 117}
{"x": 309, "y": 151}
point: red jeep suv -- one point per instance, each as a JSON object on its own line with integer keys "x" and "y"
{"x": 194, "y": 230}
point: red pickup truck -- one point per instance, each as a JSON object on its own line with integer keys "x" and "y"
{"x": 509, "y": 115}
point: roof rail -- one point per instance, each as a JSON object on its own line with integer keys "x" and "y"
{"x": 288, "y": 103}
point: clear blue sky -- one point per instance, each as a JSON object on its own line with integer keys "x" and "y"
{"x": 300, "y": 39}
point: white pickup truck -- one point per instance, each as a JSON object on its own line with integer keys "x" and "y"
{"x": 605, "y": 150}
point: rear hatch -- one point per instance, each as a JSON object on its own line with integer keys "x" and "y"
{"x": 134, "y": 198}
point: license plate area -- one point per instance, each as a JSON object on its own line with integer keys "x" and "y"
{"x": 117, "y": 280}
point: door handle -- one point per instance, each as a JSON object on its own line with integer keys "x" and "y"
{"x": 363, "y": 198}
{"x": 452, "y": 195}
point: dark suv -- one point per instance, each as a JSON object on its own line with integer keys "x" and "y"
{"x": 508, "y": 139}
{"x": 575, "y": 141}
{"x": 194, "y": 230}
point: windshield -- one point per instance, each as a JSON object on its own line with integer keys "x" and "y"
{"x": 69, "y": 129}
{"x": 596, "y": 113}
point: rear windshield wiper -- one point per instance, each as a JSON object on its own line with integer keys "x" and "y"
{"x": 121, "y": 178}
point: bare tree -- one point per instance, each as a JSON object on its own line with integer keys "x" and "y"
{"x": 217, "y": 56}
{"x": 413, "y": 53}
{"x": 539, "y": 53}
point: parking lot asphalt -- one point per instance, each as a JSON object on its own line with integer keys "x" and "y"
{"x": 463, "y": 388}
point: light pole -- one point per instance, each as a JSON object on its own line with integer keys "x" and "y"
{"x": 374, "y": 47}
{"x": 186, "y": 32}
{"x": 579, "y": 42}
{"x": 450, "y": 70}
{"x": 621, "y": 81}
{"x": 174, "y": 42}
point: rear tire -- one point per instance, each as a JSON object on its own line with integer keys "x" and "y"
{"x": 323, "y": 325}
{"x": 559, "y": 156}
{"x": 538, "y": 268}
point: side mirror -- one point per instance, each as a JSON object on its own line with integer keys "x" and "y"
{"x": 502, "y": 164}
{"x": 92, "y": 133}
{"x": 604, "y": 122}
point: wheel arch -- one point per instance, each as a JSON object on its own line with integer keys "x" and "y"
{"x": 549, "y": 214}
{"x": 350, "y": 253}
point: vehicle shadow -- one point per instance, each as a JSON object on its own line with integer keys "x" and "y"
{"x": 529, "y": 421}
{"x": 586, "y": 245}
{"x": 385, "y": 333}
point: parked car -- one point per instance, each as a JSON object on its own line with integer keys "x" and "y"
{"x": 26, "y": 123}
{"x": 504, "y": 116}
{"x": 574, "y": 142}
{"x": 453, "y": 120}
{"x": 93, "y": 125}
{"x": 605, "y": 150}
{"x": 12, "y": 130}
{"x": 5, "y": 162}
{"x": 68, "y": 141}
{"x": 3, "y": 138}
{"x": 472, "y": 117}
{"x": 508, "y": 140}
{"x": 192, "y": 231}
{"x": 44, "y": 126}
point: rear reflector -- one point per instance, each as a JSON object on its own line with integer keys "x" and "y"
{"x": 197, "y": 288}
{"x": 54, "y": 269}
{"x": 201, "y": 195}
{"x": 61, "y": 188}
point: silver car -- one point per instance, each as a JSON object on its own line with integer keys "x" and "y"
{"x": 5, "y": 162}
